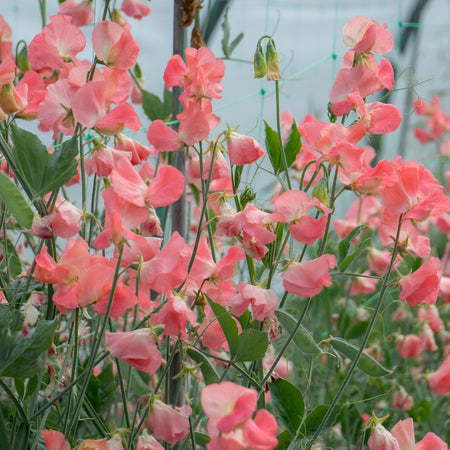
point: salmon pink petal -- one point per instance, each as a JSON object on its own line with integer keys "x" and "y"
{"x": 55, "y": 440}
{"x": 431, "y": 442}
{"x": 135, "y": 9}
{"x": 88, "y": 103}
{"x": 439, "y": 381}
{"x": 114, "y": 45}
{"x": 82, "y": 13}
{"x": 162, "y": 137}
{"x": 166, "y": 188}
{"x": 243, "y": 149}
{"x": 261, "y": 432}
{"x": 308, "y": 229}
{"x": 307, "y": 279}
{"x": 174, "y": 72}
{"x": 137, "y": 348}
{"x": 121, "y": 116}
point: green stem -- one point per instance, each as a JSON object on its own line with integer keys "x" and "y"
{"x": 363, "y": 343}
{"x": 280, "y": 141}
{"x": 96, "y": 345}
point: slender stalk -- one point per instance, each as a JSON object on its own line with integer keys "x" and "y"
{"x": 363, "y": 343}
{"x": 280, "y": 142}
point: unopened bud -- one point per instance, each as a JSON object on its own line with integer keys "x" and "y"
{"x": 273, "y": 65}
{"x": 320, "y": 191}
{"x": 22, "y": 61}
{"x": 7, "y": 100}
{"x": 259, "y": 62}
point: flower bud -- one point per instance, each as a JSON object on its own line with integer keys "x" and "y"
{"x": 7, "y": 101}
{"x": 273, "y": 65}
{"x": 320, "y": 191}
{"x": 22, "y": 61}
{"x": 259, "y": 62}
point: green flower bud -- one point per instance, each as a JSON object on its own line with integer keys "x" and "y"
{"x": 259, "y": 62}
{"x": 273, "y": 65}
{"x": 320, "y": 191}
{"x": 22, "y": 59}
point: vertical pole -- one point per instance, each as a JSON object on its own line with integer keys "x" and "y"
{"x": 176, "y": 387}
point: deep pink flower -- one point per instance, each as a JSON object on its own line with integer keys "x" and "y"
{"x": 308, "y": 278}
{"x": 169, "y": 424}
{"x": 137, "y": 348}
{"x": 243, "y": 149}
{"x": 229, "y": 404}
{"x": 439, "y": 381}
{"x": 114, "y": 46}
{"x": 423, "y": 284}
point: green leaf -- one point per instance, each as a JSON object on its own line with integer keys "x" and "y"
{"x": 421, "y": 411}
{"x": 15, "y": 202}
{"x": 228, "y": 325}
{"x": 20, "y": 357}
{"x": 226, "y": 35}
{"x": 154, "y": 108}
{"x": 102, "y": 389}
{"x": 235, "y": 42}
{"x": 292, "y": 145}
{"x": 361, "y": 246}
{"x": 36, "y": 168}
{"x": 315, "y": 418}
{"x": 346, "y": 244}
{"x": 288, "y": 401}
{"x": 302, "y": 339}
{"x": 251, "y": 345}
{"x": 32, "y": 384}
{"x": 284, "y": 439}
{"x": 137, "y": 384}
{"x": 366, "y": 363}
{"x": 4, "y": 435}
{"x": 273, "y": 147}
{"x": 209, "y": 373}
{"x": 11, "y": 262}
{"x": 201, "y": 438}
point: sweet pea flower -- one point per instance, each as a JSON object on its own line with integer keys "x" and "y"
{"x": 114, "y": 46}
{"x": 228, "y": 404}
{"x": 55, "y": 440}
{"x": 243, "y": 149}
{"x": 263, "y": 301}
{"x": 439, "y": 381}
{"x": 308, "y": 278}
{"x": 423, "y": 284}
{"x": 148, "y": 442}
{"x": 169, "y": 424}
{"x": 82, "y": 13}
{"x": 135, "y": 9}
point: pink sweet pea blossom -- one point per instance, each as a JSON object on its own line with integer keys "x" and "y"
{"x": 243, "y": 149}
{"x": 82, "y": 13}
{"x": 174, "y": 315}
{"x": 137, "y": 348}
{"x": 439, "y": 381}
{"x": 263, "y": 301}
{"x": 382, "y": 439}
{"x": 135, "y": 9}
{"x": 114, "y": 46}
{"x": 148, "y": 442}
{"x": 169, "y": 424}
{"x": 59, "y": 42}
{"x": 228, "y": 404}
{"x": 308, "y": 278}
{"x": 366, "y": 35}
{"x": 423, "y": 284}
{"x": 55, "y": 440}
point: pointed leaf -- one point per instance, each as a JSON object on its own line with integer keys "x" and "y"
{"x": 154, "y": 108}
{"x": 361, "y": 246}
{"x": 346, "y": 243}
{"x": 316, "y": 416}
{"x": 288, "y": 401}
{"x": 226, "y": 34}
{"x": 292, "y": 145}
{"x": 273, "y": 147}
{"x": 251, "y": 345}
{"x": 62, "y": 166}
{"x": 366, "y": 363}
{"x": 229, "y": 327}
{"x": 209, "y": 373}
{"x": 235, "y": 42}
{"x": 15, "y": 202}
{"x": 11, "y": 261}
{"x": 303, "y": 339}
